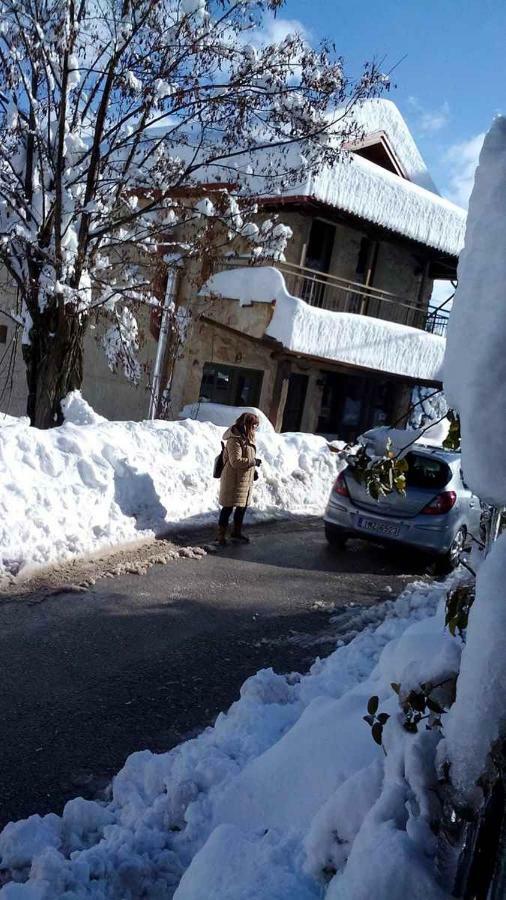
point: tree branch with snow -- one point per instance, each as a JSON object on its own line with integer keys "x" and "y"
{"x": 113, "y": 118}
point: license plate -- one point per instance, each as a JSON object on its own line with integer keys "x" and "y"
{"x": 378, "y": 527}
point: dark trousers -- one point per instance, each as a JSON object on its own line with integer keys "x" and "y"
{"x": 225, "y": 514}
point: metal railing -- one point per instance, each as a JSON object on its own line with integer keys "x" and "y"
{"x": 343, "y": 295}
{"x": 436, "y": 322}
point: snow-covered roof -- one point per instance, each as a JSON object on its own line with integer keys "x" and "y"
{"x": 341, "y": 337}
{"x": 366, "y": 190}
{"x": 409, "y": 206}
{"x": 379, "y": 115}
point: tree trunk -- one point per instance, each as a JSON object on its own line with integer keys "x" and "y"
{"x": 54, "y": 365}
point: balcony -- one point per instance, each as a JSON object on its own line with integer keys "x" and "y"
{"x": 341, "y": 295}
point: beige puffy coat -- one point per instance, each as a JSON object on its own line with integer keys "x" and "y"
{"x": 239, "y": 469}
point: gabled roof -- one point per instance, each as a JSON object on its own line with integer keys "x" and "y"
{"x": 398, "y": 195}
{"x": 382, "y": 117}
{"x": 370, "y": 192}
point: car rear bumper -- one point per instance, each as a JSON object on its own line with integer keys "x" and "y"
{"x": 431, "y": 534}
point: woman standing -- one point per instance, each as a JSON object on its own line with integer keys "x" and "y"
{"x": 238, "y": 475}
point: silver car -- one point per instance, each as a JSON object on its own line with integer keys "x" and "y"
{"x": 438, "y": 515}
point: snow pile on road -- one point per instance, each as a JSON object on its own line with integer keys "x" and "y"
{"x": 92, "y": 484}
{"x": 221, "y": 414}
{"x": 340, "y": 336}
{"x": 287, "y": 797}
{"x": 474, "y": 382}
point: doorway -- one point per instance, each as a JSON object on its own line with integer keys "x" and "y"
{"x": 295, "y": 399}
{"x": 353, "y": 403}
{"x": 318, "y": 257}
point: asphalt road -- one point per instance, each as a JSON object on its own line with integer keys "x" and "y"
{"x": 145, "y": 661}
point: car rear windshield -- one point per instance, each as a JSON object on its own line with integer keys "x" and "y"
{"x": 426, "y": 472}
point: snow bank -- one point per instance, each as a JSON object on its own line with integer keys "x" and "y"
{"x": 6, "y": 420}
{"x": 343, "y": 337}
{"x": 220, "y": 414}
{"x": 83, "y": 487}
{"x": 287, "y": 797}
{"x": 474, "y": 382}
{"x": 478, "y": 718}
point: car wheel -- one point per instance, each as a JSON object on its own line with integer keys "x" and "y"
{"x": 447, "y": 563}
{"x": 335, "y": 538}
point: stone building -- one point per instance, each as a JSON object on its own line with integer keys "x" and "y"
{"x": 333, "y": 338}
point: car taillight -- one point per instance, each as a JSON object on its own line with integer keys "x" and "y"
{"x": 441, "y": 504}
{"x": 340, "y": 486}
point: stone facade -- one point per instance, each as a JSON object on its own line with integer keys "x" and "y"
{"x": 226, "y": 333}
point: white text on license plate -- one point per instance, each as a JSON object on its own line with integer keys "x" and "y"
{"x": 378, "y": 527}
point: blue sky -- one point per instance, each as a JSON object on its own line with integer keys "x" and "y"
{"x": 450, "y": 75}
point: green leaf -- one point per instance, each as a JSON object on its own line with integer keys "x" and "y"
{"x": 395, "y": 687}
{"x": 372, "y": 706}
{"x": 377, "y": 733}
{"x": 383, "y": 718}
{"x": 369, "y": 720}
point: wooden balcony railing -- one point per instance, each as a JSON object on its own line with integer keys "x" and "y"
{"x": 342, "y": 295}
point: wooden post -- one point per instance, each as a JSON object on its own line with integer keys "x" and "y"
{"x": 372, "y": 258}
{"x": 419, "y": 296}
{"x": 279, "y": 393}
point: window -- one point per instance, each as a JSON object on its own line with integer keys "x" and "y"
{"x": 231, "y": 385}
{"x": 320, "y": 245}
{"x": 380, "y": 153}
{"x": 426, "y": 472}
{"x": 3, "y": 334}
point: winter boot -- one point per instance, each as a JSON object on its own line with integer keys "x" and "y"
{"x": 221, "y": 537}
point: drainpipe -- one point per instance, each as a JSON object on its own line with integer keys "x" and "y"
{"x": 167, "y": 311}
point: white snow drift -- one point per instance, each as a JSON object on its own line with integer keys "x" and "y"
{"x": 92, "y": 484}
{"x": 221, "y": 414}
{"x": 343, "y": 337}
{"x": 287, "y": 797}
{"x": 474, "y": 382}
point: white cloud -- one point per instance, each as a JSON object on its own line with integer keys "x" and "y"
{"x": 274, "y": 30}
{"x": 430, "y": 120}
{"x": 461, "y": 160}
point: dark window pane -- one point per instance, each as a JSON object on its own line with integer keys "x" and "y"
{"x": 426, "y": 472}
{"x": 231, "y": 385}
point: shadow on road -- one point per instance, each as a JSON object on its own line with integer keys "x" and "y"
{"x": 103, "y": 684}
{"x": 308, "y": 550}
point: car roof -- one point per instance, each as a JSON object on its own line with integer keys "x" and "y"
{"x": 448, "y": 456}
